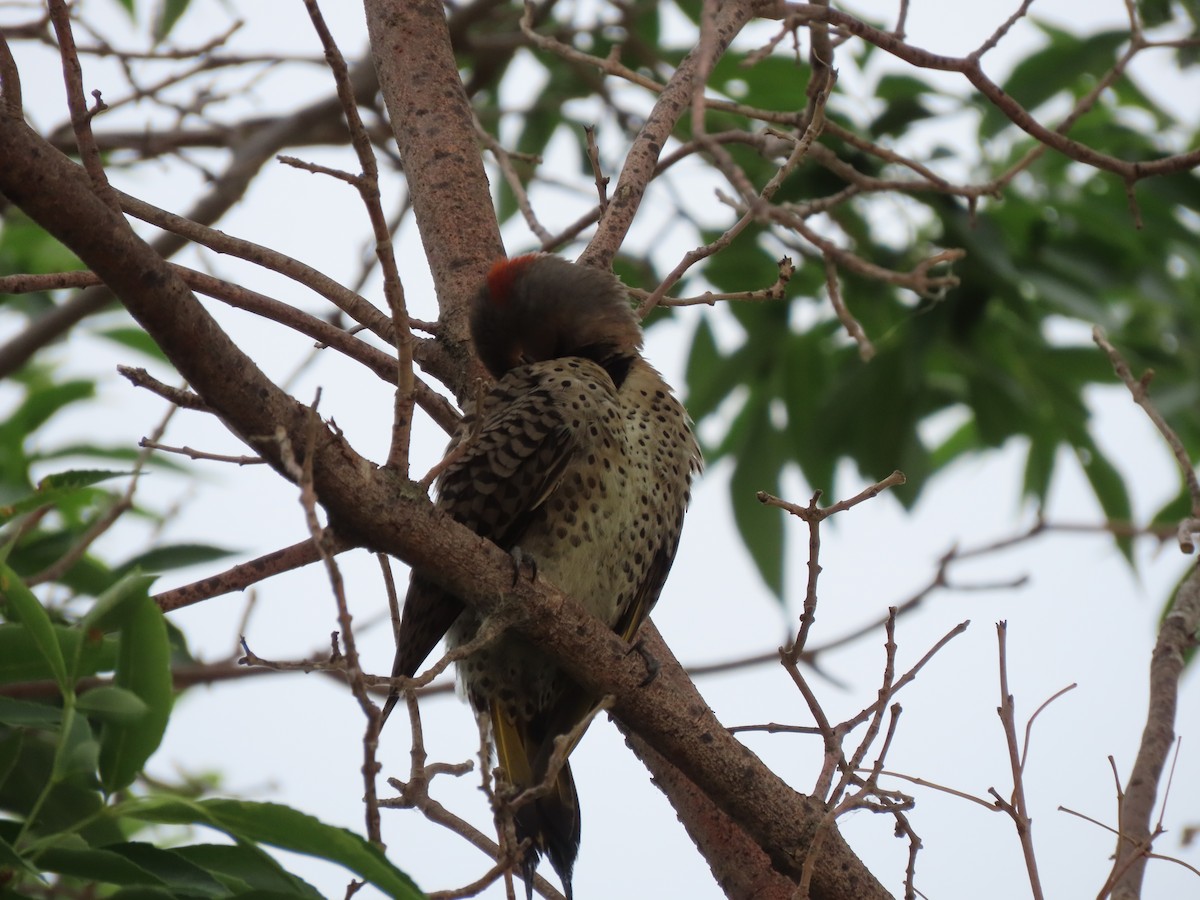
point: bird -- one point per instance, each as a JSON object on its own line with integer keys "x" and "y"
{"x": 578, "y": 458}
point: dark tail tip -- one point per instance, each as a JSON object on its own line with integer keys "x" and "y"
{"x": 553, "y": 826}
{"x": 392, "y": 699}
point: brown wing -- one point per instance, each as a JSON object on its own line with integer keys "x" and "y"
{"x": 632, "y": 617}
{"x": 501, "y": 477}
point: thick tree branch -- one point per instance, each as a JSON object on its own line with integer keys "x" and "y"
{"x": 738, "y": 864}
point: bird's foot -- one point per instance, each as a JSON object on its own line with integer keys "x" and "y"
{"x": 652, "y": 665}
{"x": 523, "y": 563}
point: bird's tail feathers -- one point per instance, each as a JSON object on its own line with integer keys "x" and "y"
{"x": 551, "y": 822}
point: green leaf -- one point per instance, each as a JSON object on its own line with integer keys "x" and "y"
{"x": 114, "y": 608}
{"x": 168, "y": 14}
{"x": 711, "y": 376}
{"x": 759, "y": 460}
{"x": 20, "y": 659}
{"x": 40, "y": 549}
{"x": 144, "y": 668}
{"x": 122, "y": 453}
{"x": 173, "y": 868}
{"x": 244, "y": 867}
{"x": 774, "y": 82}
{"x": 25, "y": 608}
{"x": 809, "y": 364}
{"x": 902, "y": 96}
{"x": 135, "y": 339}
{"x": 11, "y": 859}
{"x": 96, "y": 865}
{"x": 27, "y": 247}
{"x": 134, "y": 863}
{"x": 54, "y": 489}
{"x": 174, "y": 556}
{"x": 282, "y": 827}
{"x": 963, "y": 440}
{"x": 1176, "y": 509}
{"x": 72, "y": 802}
{"x": 1039, "y": 466}
{"x": 78, "y": 478}
{"x": 10, "y": 752}
{"x": 42, "y": 403}
{"x": 27, "y": 714}
{"x": 112, "y": 704}
{"x": 1155, "y": 12}
{"x": 76, "y": 761}
{"x": 1109, "y": 489}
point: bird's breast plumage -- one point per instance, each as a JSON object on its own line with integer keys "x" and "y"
{"x": 588, "y": 479}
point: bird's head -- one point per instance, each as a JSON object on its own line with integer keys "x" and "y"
{"x": 538, "y": 307}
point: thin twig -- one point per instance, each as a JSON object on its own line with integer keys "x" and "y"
{"x": 1016, "y": 807}
{"x": 81, "y": 116}
{"x": 368, "y": 188}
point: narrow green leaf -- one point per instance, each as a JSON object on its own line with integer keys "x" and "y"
{"x": 78, "y": 478}
{"x": 135, "y": 339}
{"x": 20, "y": 659}
{"x": 144, "y": 668}
{"x": 25, "y": 608}
{"x": 123, "y": 453}
{"x": 964, "y": 440}
{"x": 112, "y": 704}
{"x": 114, "y": 608}
{"x": 77, "y": 759}
{"x": 175, "y": 556}
{"x": 1039, "y": 466}
{"x": 54, "y": 489}
{"x": 44, "y": 402}
{"x": 1110, "y": 490}
{"x": 245, "y": 864}
{"x": 11, "y": 859}
{"x": 759, "y": 461}
{"x": 89, "y": 576}
{"x": 98, "y": 865}
{"x": 282, "y": 827}
{"x": 169, "y": 12}
{"x": 10, "y": 752}
{"x": 172, "y": 868}
{"x": 27, "y": 714}
{"x": 710, "y": 375}
{"x": 67, "y": 804}
{"x": 1176, "y": 509}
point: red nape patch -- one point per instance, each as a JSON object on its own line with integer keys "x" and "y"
{"x": 503, "y": 273}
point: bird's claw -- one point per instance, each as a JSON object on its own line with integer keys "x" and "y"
{"x": 652, "y": 665}
{"x": 522, "y": 562}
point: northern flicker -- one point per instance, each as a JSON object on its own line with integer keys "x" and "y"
{"x": 580, "y": 458}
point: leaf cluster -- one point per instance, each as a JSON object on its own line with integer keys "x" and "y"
{"x": 86, "y": 693}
